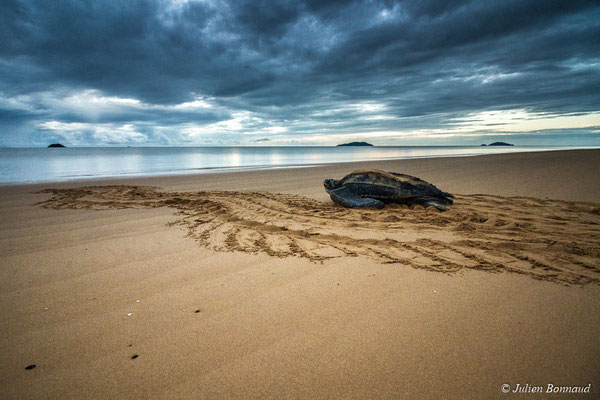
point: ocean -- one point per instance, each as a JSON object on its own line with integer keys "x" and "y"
{"x": 31, "y": 165}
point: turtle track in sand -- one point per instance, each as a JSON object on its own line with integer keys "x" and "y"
{"x": 549, "y": 240}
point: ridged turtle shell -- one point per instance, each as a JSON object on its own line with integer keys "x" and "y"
{"x": 389, "y": 185}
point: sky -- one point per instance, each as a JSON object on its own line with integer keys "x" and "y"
{"x": 293, "y": 72}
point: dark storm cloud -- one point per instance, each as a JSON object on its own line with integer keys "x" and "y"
{"x": 287, "y": 62}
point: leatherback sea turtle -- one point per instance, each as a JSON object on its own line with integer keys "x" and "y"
{"x": 374, "y": 188}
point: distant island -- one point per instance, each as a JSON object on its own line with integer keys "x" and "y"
{"x": 498, "y": 144}
{"x": 355, "y": 144}
{"x": 56, "y": 145}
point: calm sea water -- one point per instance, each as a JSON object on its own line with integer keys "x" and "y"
{"x": 60, "y": 164}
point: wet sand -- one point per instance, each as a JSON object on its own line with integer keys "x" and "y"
{"x": 254, "y": 285}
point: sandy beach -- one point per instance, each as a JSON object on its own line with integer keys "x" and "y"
{"x": 255, "y": 285}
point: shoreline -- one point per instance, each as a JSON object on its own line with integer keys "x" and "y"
{"x": 236, "y": 169}
{"x": 507, "y": 174}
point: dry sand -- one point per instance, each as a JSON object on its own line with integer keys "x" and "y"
{"x": 254, "y": 285}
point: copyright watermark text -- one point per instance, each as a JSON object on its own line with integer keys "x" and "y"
{"x": 549, "y": 388}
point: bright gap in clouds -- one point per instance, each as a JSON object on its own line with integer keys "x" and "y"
{"x": 246, "y": 128}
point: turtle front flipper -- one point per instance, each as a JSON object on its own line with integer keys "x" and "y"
{"x": 348, "y": 198}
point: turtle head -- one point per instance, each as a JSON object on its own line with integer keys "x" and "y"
{"x": 330, "y": 184}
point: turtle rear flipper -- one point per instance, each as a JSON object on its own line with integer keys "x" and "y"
{"x": 436, "y": 204}
{"x": 347, "y": 198}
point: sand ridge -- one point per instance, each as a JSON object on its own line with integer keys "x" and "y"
{"x": 550, "y": 240}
